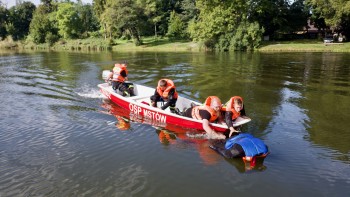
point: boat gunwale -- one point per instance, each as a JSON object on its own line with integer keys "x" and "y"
{"x": 133, "y": 101}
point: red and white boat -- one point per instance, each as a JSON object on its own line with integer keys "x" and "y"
{"x": 140, "y": 109}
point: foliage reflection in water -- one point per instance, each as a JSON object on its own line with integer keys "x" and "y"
{"x": 57, "y": 138}
{"x": 173, "y": 135}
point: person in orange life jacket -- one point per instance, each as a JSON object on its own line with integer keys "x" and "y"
{"x": 241, "y": 145}
{"x": 233, "y": 109}
{"x": 165, "y": 91}
{"x": 209, "y": 112}
{"x": 119, "y": 76}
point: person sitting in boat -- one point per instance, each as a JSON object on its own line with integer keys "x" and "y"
{"x": 233, "y": 109}
{"x": 166, "y": 92}
{"x": 209, "y": 112}
{"x": 242, "y": 145}
{"x": 118, "y": 77}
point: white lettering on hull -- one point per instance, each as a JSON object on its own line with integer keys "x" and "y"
{"x": 139, "y": 111}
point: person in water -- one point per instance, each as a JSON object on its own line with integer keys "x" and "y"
{"x": 119, "y": 76}
{"x": 208, "y": 113}
{"x": 233, "y": 109}
{"x": 241, "y": 145}
{"x": 166, "y": 92}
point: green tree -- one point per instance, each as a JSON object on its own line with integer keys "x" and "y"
{"x": 20, "y": 17}
{"x": 68, "y": 20}
{"x": 123, "y": 16}
{"x": 48, "y": 6}
{"x": 164, "y": 9}
{"x": 176, "y": 27}
{"x": 89, "y": 21}
{"x": 189, "y": 10}
{"x": 3, "y": 18}
{"x": 216, "y": 18}
{"x": 298, "y": 15}
{"x": 99, "y": 7}
{"x": 151, "y": 12}
{"x": 270, "y": 14}
{"x": 248, "y": 36}
{"x": 43, "y": 23}
{"x": 336, "y": 13}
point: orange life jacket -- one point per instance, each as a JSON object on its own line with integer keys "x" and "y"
{"x": 169, "y": 85}
{"x": 229, "y": 106}
{"x": 208, "y": 101}
{"x": 117, "y": 70}
{"x": 195, "y": 112}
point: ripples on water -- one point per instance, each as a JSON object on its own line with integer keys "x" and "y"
{"x": 59, "y": 137}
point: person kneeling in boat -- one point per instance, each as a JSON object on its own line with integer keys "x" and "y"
{"x": 118, "y": 77}
{"x": 241, "y": 145}
{"x": 209, "y": 112}
{"x": 166, "y": 92}
{"x": 233, "y": 109}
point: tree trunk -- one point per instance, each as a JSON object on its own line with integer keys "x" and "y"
{"x": 105, "y": 31}
{"x": 135, "y": 35}
{"x": 155, "y": 31}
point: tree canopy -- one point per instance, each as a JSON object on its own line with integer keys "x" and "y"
{"x": 219, "y": 24}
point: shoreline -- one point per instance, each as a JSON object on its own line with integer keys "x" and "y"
{"x": 165, "y": 45}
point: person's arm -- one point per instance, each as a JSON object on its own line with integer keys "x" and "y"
{"x": 210, "y": 132}
{"x": 154, "y": 98}
{"x": 228, "y": 120}
{"x": 170, "y": 99}
{"x": 123, "y": 74}
{"x": 243, "y": 112}
{"x": 221, "y": 118}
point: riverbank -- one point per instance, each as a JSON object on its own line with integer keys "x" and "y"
{"x": 304, "y": 46}
{"x": 164, "y": 44}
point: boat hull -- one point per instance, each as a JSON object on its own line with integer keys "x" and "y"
{"x": 140, "y": 109}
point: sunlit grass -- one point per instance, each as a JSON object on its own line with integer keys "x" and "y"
{"x": 164, "y": 44}
{"x": 157, "y": 44}
{"x": 305, "y": 45}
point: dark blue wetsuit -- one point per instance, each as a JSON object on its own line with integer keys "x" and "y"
{"x": 240, "y": 146}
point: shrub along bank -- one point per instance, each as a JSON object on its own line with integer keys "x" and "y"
{"x": 164, "y": 44}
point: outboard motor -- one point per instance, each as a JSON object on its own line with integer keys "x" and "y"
{"x": 105, "y": 74}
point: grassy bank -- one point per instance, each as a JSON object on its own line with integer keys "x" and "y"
{"x": 164, "y": 44}
{"x": 160, "y": 44}
{"x": 99, "y": 44}
{"x": 305, "y": 46}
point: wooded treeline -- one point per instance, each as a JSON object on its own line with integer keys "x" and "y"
{"x": 219, "y": 24}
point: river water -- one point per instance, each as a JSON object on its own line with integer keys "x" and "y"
{"x": 60, "y": 137}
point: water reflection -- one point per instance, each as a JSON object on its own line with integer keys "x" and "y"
{"x": 208, "y": 156}
{"x": 54, "y": 134}
{"x": 178, "y": 137}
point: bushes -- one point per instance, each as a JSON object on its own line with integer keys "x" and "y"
{"x": 8, "y": 43}
{"x": 51, "y": 38}
{"x": 176, "y": 29}
{"x": 248, "y": 36}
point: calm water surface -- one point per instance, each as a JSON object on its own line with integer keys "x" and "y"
{"x": 60, "y": 137}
